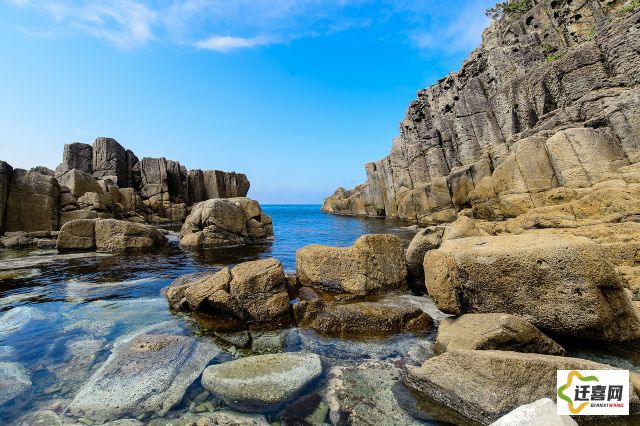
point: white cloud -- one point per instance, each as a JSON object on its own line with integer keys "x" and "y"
{"x": 228, "y": 43}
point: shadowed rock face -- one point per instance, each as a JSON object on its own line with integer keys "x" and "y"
{"x": 5, "y": 179}
{"x": 550, "y": 99}
{"x": 32, "y": 203}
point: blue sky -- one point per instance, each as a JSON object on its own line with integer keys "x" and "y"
{"x": 297, "y": 94}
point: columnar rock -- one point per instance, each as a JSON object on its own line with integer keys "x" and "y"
{"x": 374, "y": 264}
{"x": 483, "y": 386}
{"x": 110, "y": 159}
{"x": 549, "y": 99}
{"x": 225, "y": 223}
{"x": 502, "y": 332}
{"x": 32, "y": 203}
{"x": 154, "y": 181}
{"x": 77, "y": 156}
{"x": 218, "y": 184}
{"x": 254, "y": 292}
{"x": 559, "y": 283}
{"x": 5, "y": 180}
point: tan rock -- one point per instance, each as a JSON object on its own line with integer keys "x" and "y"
{"x": 502, "y": 332}
{"x": 558, "y": 283}
{"x": 426, "y": 239}
{"x": 121, "y": 236}
{"x": 78, "y": 234}
{"x": 374, "y": 264}
{"x": 483, "y": 386}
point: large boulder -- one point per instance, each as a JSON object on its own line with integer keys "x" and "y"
{"x": 68, "y": 216}
{"x": 32, "y": 203}
{"x": 78, "y": 234}
{"x": 503, "y": 332}
{"x": 110, "y": 159}
{"x": 559, "y": 283}
{"x": 79, "y": 182}
{"x": 485, "y": 385}
{"x": 121, "y": 236}
{"x": 252, "y": 292}
{"x": 225, "y": 223}
{"x": 5, "y": 180}
{"x": 263, "y": 382}
{"x": 77, "y": 156}
{"x": 426, "y": 239}
{"x": 374, "y": 264}
{"x": 147, "y": 374}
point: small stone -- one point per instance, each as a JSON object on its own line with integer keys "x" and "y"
{"x": 201, "y": 397}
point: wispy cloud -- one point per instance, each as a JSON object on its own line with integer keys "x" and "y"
{"x": 229, "y": 25}
{"x": 229, "y": 43}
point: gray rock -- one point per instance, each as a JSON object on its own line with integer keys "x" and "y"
{"x": 147, "y": 374}
{"x": 5, "y": 180}
{"x": 542, "y": 412}
{"x": 110, "y": 159}
{"x": 262, "y": 382}
{"x": 76, "y": 156}
{"x": 79, "y": 182}
{"x": 362, "y": 394}
{"x": 14, "y": 381}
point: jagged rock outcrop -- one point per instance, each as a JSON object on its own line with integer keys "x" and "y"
{"x": 549, "y": 100}
{"x": 77, "y": 156}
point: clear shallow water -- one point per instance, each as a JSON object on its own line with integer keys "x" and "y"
{"x": 60, "y": 315}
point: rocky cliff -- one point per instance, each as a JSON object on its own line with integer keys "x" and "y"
{"x": 549, "y": 101}
{"x": 105, "y": 180}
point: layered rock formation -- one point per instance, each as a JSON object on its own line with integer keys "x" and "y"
{"x": 549, "y": 100}
{"x": 107, "y": 181}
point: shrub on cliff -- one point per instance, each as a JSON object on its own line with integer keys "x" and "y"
{"x": 509, "y": 7}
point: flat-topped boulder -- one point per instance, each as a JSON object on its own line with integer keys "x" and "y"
{"x": 79, "y": 182}
{"x": 225, "y": 222}
{"x": 109, "y": 235}
{"x": 483, "y": 386}
{"x": 374, "y": 264}
{"x": 262, "y": 382}
{"x": 559, "y": 283}
{"x": 253, "y": 292}
{"x": 503, "y": 332}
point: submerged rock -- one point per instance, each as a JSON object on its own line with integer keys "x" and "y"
{"x": 374, "y": 264}
{"x": 20, "y": 317}
{"x": 262, "y": 382}
{"x": 14, "y": 381}
{"x": 559, "y": 283}
{"x": 147, "y": 374}
{"x": 542, "y": 412}
{"x": 217, "y": 418}
{"x": 494, "y": 331}
{"x": 362, "y": 394}
{"x": 486, "y": 385}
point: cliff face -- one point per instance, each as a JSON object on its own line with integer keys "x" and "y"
{"x": 549, "y": 100}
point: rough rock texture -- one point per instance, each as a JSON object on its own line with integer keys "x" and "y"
{"x": 78, "y": 235}
{"x": 254, "y": 292}
{"x": 541, "y": 412}
{"x": 362, "y": 395}
{"x": 123, "y": 237}
{"x": 549, "y": 100}
{"x": 374, "y": 264}
{"x": 32, "y": 203}
{"x": 77, "y": 156}
{"x": 563, "y": 284}
{"x": 110, "y": 159}
{"x": 5, "y": 181}
{"x": 502, "y": 332}
{"x": 79, "y": 182}
{"x": 14, "y": 380}
{"x": 485, "y": 385}
{"x": 262, "y": 382}
{"x": 225, "y": 223}
{"x": 147, "y": 374}
{"x": 426, "y": 239}
{"x": 362, "y": 319}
